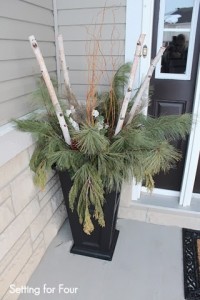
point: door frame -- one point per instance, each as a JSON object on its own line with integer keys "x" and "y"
{"x": 142, "y": 23}
{"x": 193, "y": 149}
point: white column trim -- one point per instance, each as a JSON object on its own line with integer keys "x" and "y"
{"x": 193, "y": 150}
{"x": 146, "y": 28}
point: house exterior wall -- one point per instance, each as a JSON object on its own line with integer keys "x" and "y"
{"x": 19, "y": 20}
{"x": 78, "y": 23}
{"x": 29, "y": 218}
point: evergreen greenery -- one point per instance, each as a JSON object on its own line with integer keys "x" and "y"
{"x": 98, "y": 161}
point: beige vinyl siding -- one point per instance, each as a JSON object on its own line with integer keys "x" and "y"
{"x": 63, "y": 4}
{"x": 77, "y": 21}
{"x": 48, "y": 4}
{"x": 19, "y": 69}
{"x": 26, "y": 11}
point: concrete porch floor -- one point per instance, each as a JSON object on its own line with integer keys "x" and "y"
{"x": 147, "y": 264}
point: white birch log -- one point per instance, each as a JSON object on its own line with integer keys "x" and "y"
{"x": 144, "y": 85}
{"x": 70, "y": 95}
{"x": 51, "y": 90}
{"x": 130, "y": 84}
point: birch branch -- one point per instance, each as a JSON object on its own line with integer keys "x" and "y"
{"x": 50, "y": 88}
{"x": 70, "y": 95}
{"x": 145, "y": 83}
{"x": 130, "y": 84}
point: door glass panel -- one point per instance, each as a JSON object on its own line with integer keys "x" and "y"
{"x": 176, "y": 32}
{"x": 178, "y": 14}
{"x": 174, "y": 59}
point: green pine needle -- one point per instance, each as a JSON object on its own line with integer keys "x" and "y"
{"x": 90, "y": 141}
{"x": 97, "y": 161}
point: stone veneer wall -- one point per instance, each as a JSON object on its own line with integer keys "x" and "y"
{"x": 29, "y": 220}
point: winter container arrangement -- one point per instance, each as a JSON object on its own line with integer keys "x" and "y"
{"x": 98, "y": 145}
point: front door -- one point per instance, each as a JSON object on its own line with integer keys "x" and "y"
{"x": 173, "y": 84}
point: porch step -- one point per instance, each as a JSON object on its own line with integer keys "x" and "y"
{"x": 163, "y": 210}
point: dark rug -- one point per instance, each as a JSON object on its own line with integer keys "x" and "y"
{"x": 191, "y": 261}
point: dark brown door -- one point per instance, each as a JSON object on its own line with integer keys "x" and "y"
{"x": 174, "y": 83}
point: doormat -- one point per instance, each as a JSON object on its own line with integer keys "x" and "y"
{"x": 191, "y": 263}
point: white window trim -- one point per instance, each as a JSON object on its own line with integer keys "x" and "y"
{"x": 192, "y": 31}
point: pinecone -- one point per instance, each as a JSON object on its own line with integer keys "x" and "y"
{"x": 74, "y": 145}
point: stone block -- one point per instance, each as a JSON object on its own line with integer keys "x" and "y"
{"x": 5, "y": 193}
{"x": 14, "y": 250}
{"x": 27, "y": 271}
{"x": 13, "y": 167}
{"x": 31, "y": 211}
{"x": 57, "y": 199}
{"x": 15, "y": 266}
{"x": 31, "y": 150}
{"x": 173, "y": 219}
{"x": 13, "y": 232}
{"x": 9, "y": 296}
{"x": 133, "y": 213}
{"x": 38, "y": 241}
{"x": 23, "y": 190}
{"x": 54, "y": 224}
{"x": 49, "y": 194}
{"x": 6, "y": 214}
{"x": 126, "y": 194}
{"x": 40, "y": 221}
{"x": 31, "y": 265}
{"x": 53, "y": 180}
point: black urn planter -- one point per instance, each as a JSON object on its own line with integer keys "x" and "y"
{"x": 101, "y": 243}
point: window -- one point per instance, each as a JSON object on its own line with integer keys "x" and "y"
{"x": 176, "y": 31}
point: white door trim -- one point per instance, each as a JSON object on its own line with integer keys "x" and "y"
{"x": 192, "y": 151}
{"x": 146, "y": 26}
{"x": 161, "y": 192}
{"x": 193, "y": 147}
{"x": 132, "y": 33}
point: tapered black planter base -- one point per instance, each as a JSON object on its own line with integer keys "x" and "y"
{"x": 107, "y": 255}
{"x": 102, "y": 241}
